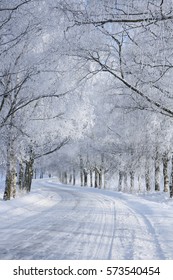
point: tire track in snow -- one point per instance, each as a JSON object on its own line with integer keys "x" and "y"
{"x": 145, "y": 224}
{"x": 138, "y": 237}
{"x": 119, "y": 238}
{"x": 134, "y": 241}
{"x": 106, "y": 232}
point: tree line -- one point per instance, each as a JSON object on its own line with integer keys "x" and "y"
{"x": 94, "y": 81}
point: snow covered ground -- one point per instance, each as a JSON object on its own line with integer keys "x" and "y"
{"x": 65, "y": 222}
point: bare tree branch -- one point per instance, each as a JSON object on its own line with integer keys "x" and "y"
{"x": 159, "y": 106}
{"x": 15, "y": 7}
{"x": 59, "y": 146}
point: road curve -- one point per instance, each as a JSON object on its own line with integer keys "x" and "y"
{"x": 78, "y": 223}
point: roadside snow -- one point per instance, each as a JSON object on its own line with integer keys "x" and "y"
{"x": 57, "y": 221}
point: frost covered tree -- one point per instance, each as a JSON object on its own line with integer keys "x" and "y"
{"x": 35, "y": 80}
{"x": 128, "y": 41}
{"x": 121, "y": 38}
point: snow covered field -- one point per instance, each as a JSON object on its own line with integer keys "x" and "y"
{"x": 64, "y": 222}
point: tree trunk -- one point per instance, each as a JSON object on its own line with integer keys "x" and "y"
{"x": 70, "y": 179}
{"x": 165, "y": 172}
{"x": 41, "y": 174}
{"x": 125, "y": 182}
{"x": 91, "y": 178}
{"x": 157, "y": 172}
{"x": 101, "y": 172}
{"x": 60, "y": 176}
{"x": 28, "y": 175}
{"x": 171, "y": 186}
{"x": 81, "y": 178}
{"x": 132, "y": 181}
{"x": 74, "y": 177}
{"x": 10, "y": 182}
{"x": 147, "y": 177}
{"x": 139, "y": 183}
{"x": 65, "y": 177}
{"x": 21, "y": 175}
{"x": 100, "y": 178}
{"x": 96, "y": 178}
{"x": 35, "y": 173}
{"x": 85, "y": 174}
{"x": 81, "y": 172}
{"x": 120, "y": 182}
{"x": 104, "y": 180}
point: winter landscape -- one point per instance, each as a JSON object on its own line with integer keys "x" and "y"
{"x": 86, "y": 120}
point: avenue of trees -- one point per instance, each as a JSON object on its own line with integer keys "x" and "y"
{"x": 86, "y": 93}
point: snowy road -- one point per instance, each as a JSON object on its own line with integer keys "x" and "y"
{"x": 66, "y": 222}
